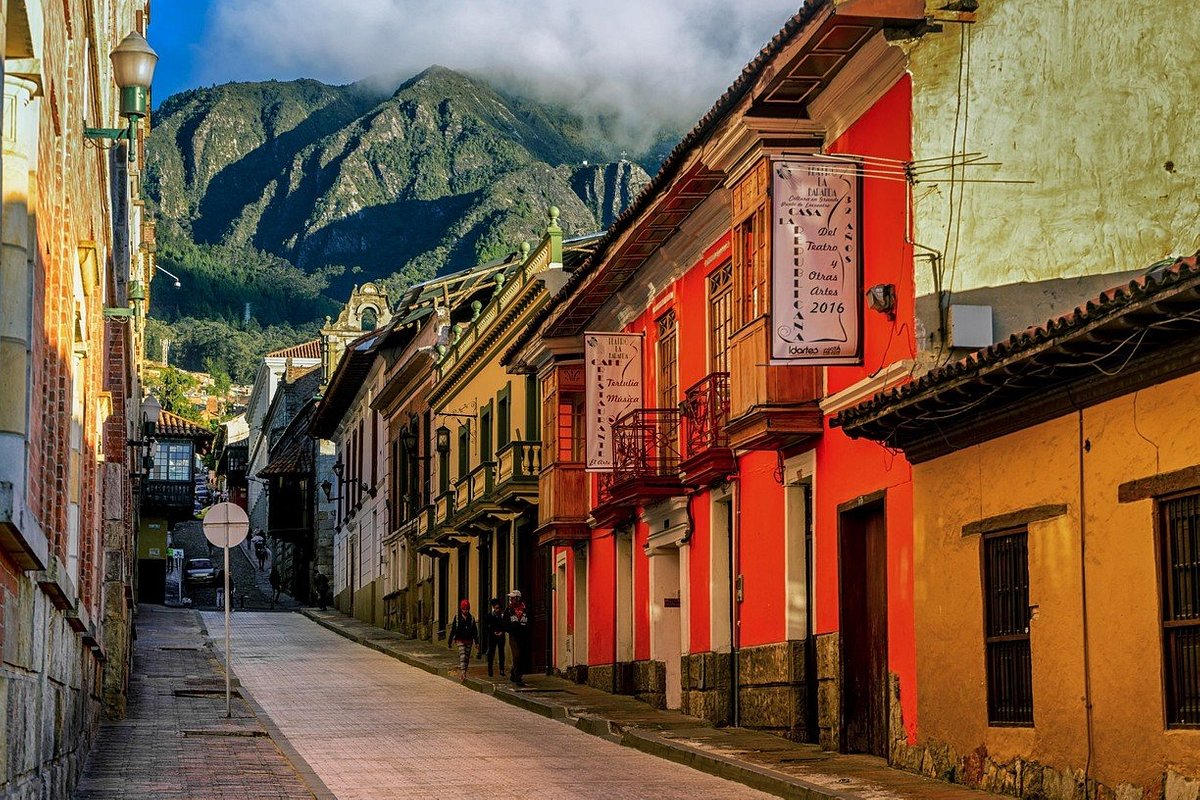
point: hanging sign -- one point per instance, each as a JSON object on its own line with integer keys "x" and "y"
{"x": 816, "y": 297}
{"x": 613, "y": 383}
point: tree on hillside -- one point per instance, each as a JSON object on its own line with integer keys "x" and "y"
{"x": 171, "y": 388}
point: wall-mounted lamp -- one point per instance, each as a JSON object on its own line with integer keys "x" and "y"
{"x": 882, "y": 298}
{"x": 327, "y": 488}
{"x": 133, "y": 63}
{"x": 339, "y": 469}
{"x": 151, "y": 412}
{"x": 442, "y": 440}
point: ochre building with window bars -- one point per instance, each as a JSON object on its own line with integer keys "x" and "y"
{"x": 1058, "y": 598}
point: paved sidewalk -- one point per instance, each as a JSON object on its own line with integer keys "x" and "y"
{"x": 175, "y": 741}
{"x": 758, "y": 760}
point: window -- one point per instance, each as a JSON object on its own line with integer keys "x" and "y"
{"x": 668, "y": 373}
{"x": 1179, "y": 545}
{"x": 172, "y": 462}
{"x": 485, "y": 433}
{"x": 443, "y": 472}
{"x": 570, "y": 434}
{"x": 750, "y": 242}
{"x": 504, "y": 416}
{"x": 464, "y": 451}
{"x": 370, "y": 319}
{"x": 1006, "y": 628}
{"x": 720, "y": 313}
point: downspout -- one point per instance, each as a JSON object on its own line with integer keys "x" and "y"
{"x": 735, "y": 563}
{"x": 1084, "y": 445}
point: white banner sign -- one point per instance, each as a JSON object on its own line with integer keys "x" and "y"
{"x": 614, "y": 388}
{"x": 815, "y": 293}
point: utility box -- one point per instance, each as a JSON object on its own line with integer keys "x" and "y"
{"x": 970, "y": 326}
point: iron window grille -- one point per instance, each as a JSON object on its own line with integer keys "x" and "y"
{"x": 1179, "y": 544}
{"x": 1006, "y": 628}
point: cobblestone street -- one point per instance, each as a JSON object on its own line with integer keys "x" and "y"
{"x": 371, "y": 727}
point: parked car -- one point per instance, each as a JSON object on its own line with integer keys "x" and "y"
{"x": 201, "y": 571}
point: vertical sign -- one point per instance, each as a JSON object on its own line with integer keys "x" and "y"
{"x": 815, "y": 264}
{"x": 613, "y": 380}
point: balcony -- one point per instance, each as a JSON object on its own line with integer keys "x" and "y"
{"x": 770, "y": 406}
{"x": 709, "y": 458}
{"x": 563, "y": 504}
{"x": 475, "y": 497}
{"x": 519, "y": 463}
{"x": 646, "y": 459}
{"x": 443, "y": 508}
{"x": 168, "y": 497}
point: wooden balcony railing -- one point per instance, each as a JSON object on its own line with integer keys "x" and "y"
{"x": 770, "y": 405}
{"x": 443, "y": 507}
{"x": 169, "y": 495}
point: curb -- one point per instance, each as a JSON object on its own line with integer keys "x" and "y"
{"x": 307, "y": 775}
{"x": 646, "y": 741}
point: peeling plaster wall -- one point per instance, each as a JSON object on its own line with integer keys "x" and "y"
{"x": 1090, "y": 100}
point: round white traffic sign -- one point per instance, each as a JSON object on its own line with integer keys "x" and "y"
{"x": 226, "y": 525}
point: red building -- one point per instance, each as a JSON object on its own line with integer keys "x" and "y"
{"x": 739, "y": 559}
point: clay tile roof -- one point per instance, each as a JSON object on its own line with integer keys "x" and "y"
{"x": 1090, "y": 320}
{"x": 303, "y": 350}
{"x": 172, "y": 425}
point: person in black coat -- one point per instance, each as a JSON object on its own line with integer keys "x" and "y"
{"x": 464, "y": 633}
{"x": 493, "y": 634}
{"x": 516, "y": 620}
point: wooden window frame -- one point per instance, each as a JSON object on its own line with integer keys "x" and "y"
{"x": 1171, "y": 620}
{"x": 666, "y": 351}
{"x": 721, "y": 316}
{"x": 994, "y": 642}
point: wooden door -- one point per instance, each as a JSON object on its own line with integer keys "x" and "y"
{"x": 863, "y": 588}
{"x": 533, "y": 579}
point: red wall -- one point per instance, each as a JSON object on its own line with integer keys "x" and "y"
{"x": 846, "y": 468}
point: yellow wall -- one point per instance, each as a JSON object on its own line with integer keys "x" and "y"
{"x": 1087, "y": 99}
{"x": 1042, "y": 466}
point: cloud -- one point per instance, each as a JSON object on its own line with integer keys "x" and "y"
{"x": 653, "y": 63}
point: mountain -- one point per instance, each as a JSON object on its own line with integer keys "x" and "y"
{"x": 283, "y": 194}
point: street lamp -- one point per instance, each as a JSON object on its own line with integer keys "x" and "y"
{"x": 442, "y": 440}
{"x": 151, "y": 411}
{"x": 133, "y": 62}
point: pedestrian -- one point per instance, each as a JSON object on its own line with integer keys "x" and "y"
{"x": 260, "y": 550}
{"x": 493, "y": 634}
{"x": 516, "y": 624}
{"x": 464, "y": 633}
{"x": 275, "y": 583}
{"x": 320, "y": 587}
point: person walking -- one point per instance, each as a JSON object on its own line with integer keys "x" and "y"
{"x": 464, "y": 633}
{"x": 276, "y": 581}
{"x": 260, "y": 550}
{"x": 493, "y": 634}
{"x": 516, "y": 624}
{"x": 320, "y": 589}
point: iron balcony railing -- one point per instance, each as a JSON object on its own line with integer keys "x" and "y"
{"x": 706, "y": 408}
{"x": 646, "y": 444}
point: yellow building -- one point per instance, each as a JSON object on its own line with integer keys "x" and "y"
{"x": 1057, "y": 549}
{"x": 487, "y": 448}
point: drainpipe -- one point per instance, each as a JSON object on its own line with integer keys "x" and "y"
{"x": 1084, "y": 446}
{"x": 735, "y": 564}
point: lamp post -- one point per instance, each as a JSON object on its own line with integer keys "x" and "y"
{"x": 133, "y": 62}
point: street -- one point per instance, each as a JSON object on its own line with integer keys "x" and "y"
{"x": 372, "y": 727}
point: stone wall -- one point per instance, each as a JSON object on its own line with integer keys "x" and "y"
{"x": 829, "y": 697}
{"x": 706, "y": 683}
{"x": 772, "y": 690}
{"x": 50, "y": 690}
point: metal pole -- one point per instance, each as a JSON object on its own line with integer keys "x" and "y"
{"x": 228, "y": 654}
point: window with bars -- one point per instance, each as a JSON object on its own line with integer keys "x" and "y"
{"x": 1179, "y": 545}
{"x": 720, "y": 313}
{"x": 1006, "y": 628}
{"x": 668, "y": 361}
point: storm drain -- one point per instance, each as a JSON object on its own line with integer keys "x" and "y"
{"x": 248, "y": 733}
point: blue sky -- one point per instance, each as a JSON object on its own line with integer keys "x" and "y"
{"x": 177, "y": 31}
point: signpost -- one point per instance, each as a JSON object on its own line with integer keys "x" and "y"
{"x": 226, "y": 525}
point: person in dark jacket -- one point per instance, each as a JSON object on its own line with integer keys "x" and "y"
{"x": 464, "y": 633}
{"x": 516, "y": 621}
{"x": 493, "y": 634}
